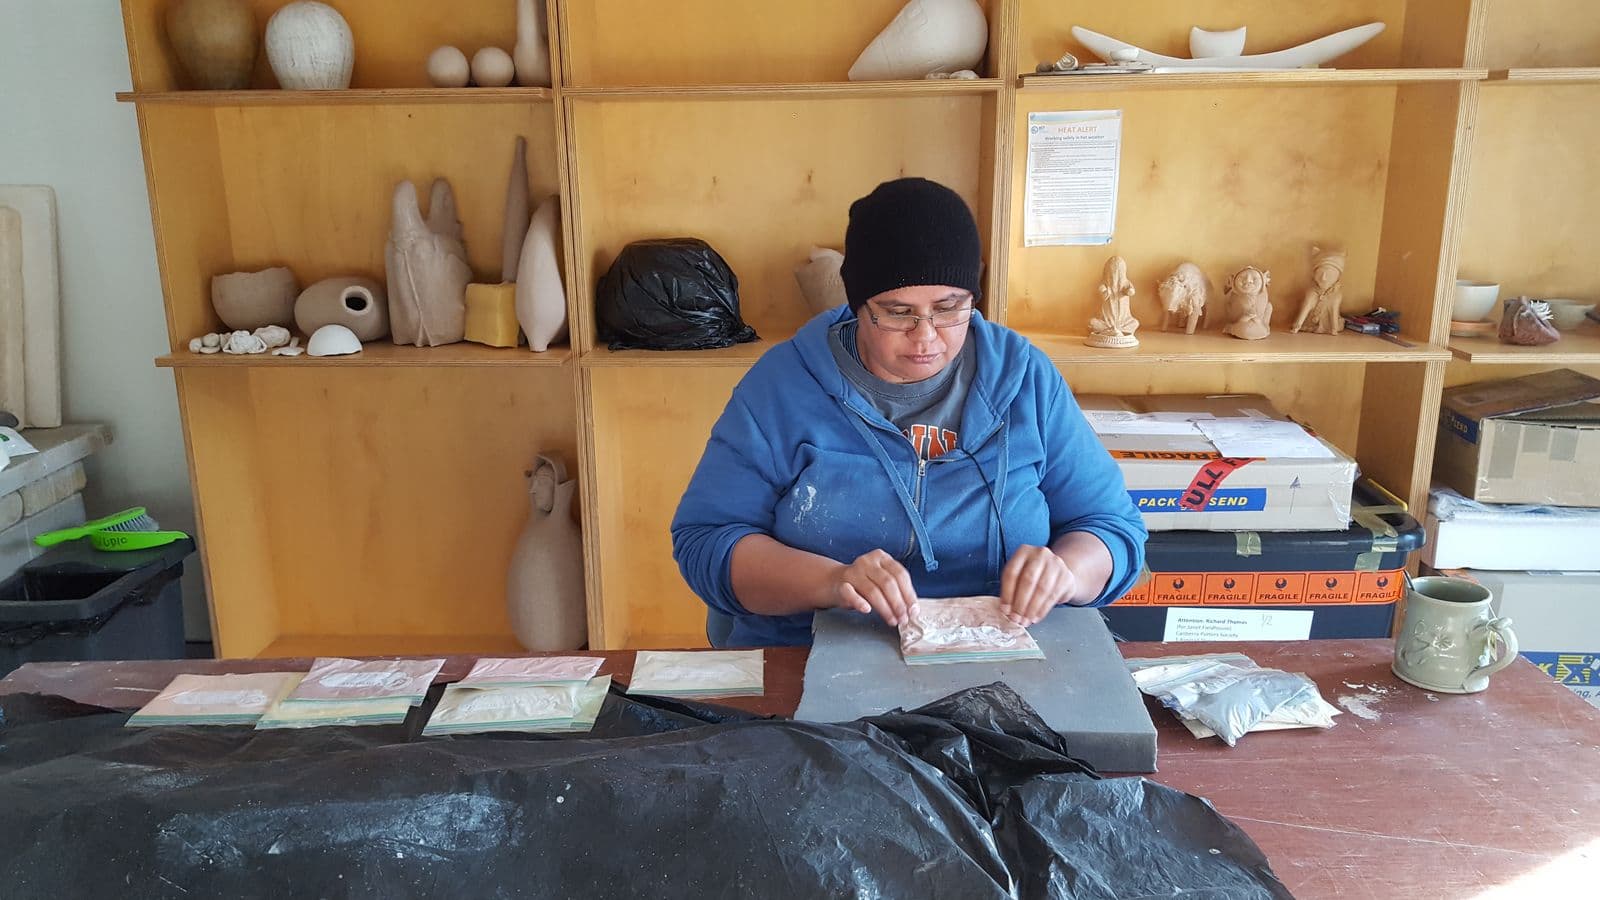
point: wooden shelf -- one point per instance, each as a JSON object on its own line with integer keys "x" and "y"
{"x": 1575, "y": 348}
{"x": 1563, "y": 75}
{"x": 1284, "y": 78}
{"x": 356, "y": 96}
{"x": 1161, "y": 347}
{"x": 377, "y": 354}
{"x": 811, "y": 91}
{"x": 357, "y": 645}
{"x": 737, "y": 356}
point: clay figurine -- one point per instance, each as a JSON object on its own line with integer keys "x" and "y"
{"x": 427, "y": 269}
{"x": 1185, "y": 293}
{"x": 1249, "y": 307}
{"x": 1115, "y": 325}
{"x": 1527, "y": 323}
{"x": 1326, "y": 294}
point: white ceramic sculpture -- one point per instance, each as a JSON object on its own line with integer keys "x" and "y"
{"x": 448, "y": 68}
{"x": 532, "y": 52}
{"x": 1312, "y": 53}
{"x": 541, "y": 300}
{"x": 245, "y": 301}
{"x": 333, "y": 340}
{"x": 243, "y": 342}
{"x": 310, "y": 47}
{"x": 820, "y": 281}
{"x": 1184, "y": 294}
{"x": 1114, "y": 327}
{"x": 1249, "y": 307}
{"x": 492, "y": 67}
{"x": 427, "y": 269}
{"x": 353, "y": 301}
{"x": 926, "y": 36}
{"x": 544, "y": 587}
{"x": 1203, "y": 43}
{"x": 1319, "y": 311}
{"x": 515, "y": 231}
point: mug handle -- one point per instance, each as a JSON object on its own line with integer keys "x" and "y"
{"x": 1502, "y": 629}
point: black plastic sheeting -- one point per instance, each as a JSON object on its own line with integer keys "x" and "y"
{"x": 670, "y": 294}
{"x": 969, "y": 797}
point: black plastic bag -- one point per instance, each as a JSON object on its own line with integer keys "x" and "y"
{"x": 671, "y": 294}
{"x": 971, "y": 796}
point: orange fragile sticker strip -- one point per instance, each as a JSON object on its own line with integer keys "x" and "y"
{"x": 1208, "y": 479}
{"x": 1267, "y": 589}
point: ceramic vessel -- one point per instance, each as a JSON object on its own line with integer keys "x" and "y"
{"x": 1204, "y": 44}
{"x": 492, "y": 67}
{"x": 1569, "y": 314}
{"x": 448, "y": 68}
{"x": 359, "y": 304}
{"x": 925, "y": 36}
{"x": 426, "y": 267}
{"x": 820, "y": 281}
{"x": 1450, "y": 639}
{"x": 333, "y": 340}
{"x": 245, "y": 301}
{"x": 1474, "y": 300}
{"x": 1310, "y": 54}
{"x": 515, "y": 231}
{"x": 310, "y": 47}
{"x": 544, "y": 587}
{"x": 215, "y": 42}
{"x": 532, "y": 52}
{"x": 541, "y": 300}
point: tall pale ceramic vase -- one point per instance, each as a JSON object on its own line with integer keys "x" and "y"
{"x": 544, "y": 589}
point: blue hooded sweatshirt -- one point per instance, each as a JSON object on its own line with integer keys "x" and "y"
{"x": 801, "y": 456}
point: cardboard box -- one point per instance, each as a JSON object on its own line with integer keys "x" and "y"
{"x": 1181, "y": 481}
{"x": 1468, "y": 534}
{"x": 1534, "y": 439}
{"x": 1556, "y": 616}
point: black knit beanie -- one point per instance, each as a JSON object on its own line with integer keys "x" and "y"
{"x": 910, "y": 231}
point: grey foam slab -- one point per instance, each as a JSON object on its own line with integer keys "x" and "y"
{"x": 1082, "y": 687}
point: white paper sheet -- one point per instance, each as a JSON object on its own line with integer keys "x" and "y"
{"x": 1074, "y": 161}
{"x": 1117, "y": 422}
{"x": 1263, "y": 438}
{"x": 1186, "y": 624}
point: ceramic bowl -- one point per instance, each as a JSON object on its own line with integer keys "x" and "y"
{"x": 1474, "y": 300}
{"x": 1568, "y": 314}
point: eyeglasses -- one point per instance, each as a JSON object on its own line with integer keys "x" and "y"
{"x": 944, "y": 318}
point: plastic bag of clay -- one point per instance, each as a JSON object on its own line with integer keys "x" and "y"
{"x": 234, "y": 699}
{"x": 472, "y": 710}
{"x": 1231, "y": 700}
{"x": 532, "y": 671}
{"x": 671, "y": 294}
{"x": 963, "y": 629}
{"x": 699, "y": 673}
{"x": 333, "y": 679}
{"x": 287, "y": 713}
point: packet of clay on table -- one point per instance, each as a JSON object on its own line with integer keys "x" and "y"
{"x": 963, "y": 629}
{"x": 532, "y": 671}
{"x": 333, "y": 679}
{"x": 288, "y": 713}
{"x": 231, "y": 699}
{"x": 699, "y": 673}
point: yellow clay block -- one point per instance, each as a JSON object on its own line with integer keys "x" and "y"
{"x": 492, "y": 314}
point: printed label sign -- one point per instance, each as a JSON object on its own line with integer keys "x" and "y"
{"x": 1173, "y": 501}
{"x": 1229, "y": 588}
{"x": 1237, "y": 625}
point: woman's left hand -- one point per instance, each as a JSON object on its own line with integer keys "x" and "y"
{"x": 1033, "y": 583}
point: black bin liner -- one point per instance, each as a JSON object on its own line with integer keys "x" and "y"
{"x": 969, "y": 797}
{"x": 670, "y": 294}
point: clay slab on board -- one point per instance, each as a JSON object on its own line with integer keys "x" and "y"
{"x": 1082, "y": 687}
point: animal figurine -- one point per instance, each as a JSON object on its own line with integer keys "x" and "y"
{"x": 1249, "y": 307}
{"x": 1326, "y": 294}
{"x": 1115, "y": 325}
{"x": 1184, "y": 293}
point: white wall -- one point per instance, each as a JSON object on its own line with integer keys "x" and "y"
{"x": 61, "y": 62}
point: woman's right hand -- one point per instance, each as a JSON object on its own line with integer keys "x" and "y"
{"x": 876, "y": 583}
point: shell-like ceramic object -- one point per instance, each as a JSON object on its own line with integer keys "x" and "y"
{"x": 310, "y": 47}
{"x": 333, "y": 340}
{"x": 360, "y": 304}
{"x": 245, "y": 301}
{"x": 925, "y": 36}
{"x": 1311, "y": 53}
{"x": 492, "y": 67}
{"x": 1204, "y": 44}
{"x": 448, "y": 68}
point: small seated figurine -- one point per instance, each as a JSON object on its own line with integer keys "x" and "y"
{"x": 1249, "y": 308}
{"x": 1115, "y": 325}
{"x": 1323, "y": 298}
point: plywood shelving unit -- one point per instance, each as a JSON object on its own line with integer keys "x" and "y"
{"x": 369, "y": 505}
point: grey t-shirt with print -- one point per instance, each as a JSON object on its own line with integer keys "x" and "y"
{"x": 927, "y": 412}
